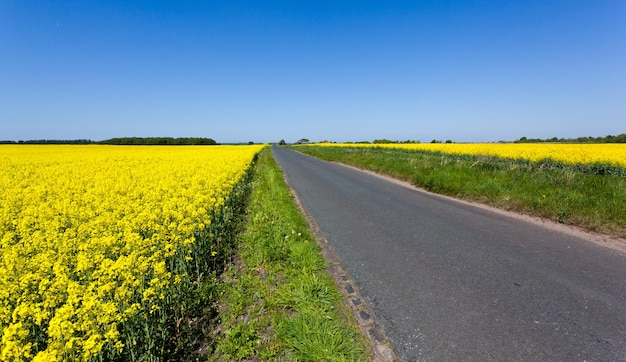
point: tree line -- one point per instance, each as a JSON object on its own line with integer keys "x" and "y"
{"x": 607, "y": 139}
{"x": 50, "y": 142}
{"x": 123, "y": 141}
{"x": 159, "y": 141}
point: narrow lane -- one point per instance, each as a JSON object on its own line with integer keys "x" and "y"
{"x": 449, "y": 281}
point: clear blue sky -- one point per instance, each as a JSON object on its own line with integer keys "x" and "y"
{"x": 261, "y": 71}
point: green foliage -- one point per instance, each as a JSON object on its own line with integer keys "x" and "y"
{"x": 589, "y": 196}
{"x": 314, "y": 337}
{"x": 279, "y": 303}
{"x": 159, "y": 141}
{"x": 608, "y": 139}
{"x": 49, "y": 142}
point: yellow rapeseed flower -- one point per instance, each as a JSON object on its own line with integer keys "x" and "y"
{"x": 89, "y": 236}
{"x": 567, "y": 153}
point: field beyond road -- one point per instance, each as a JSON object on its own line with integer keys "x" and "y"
{"x": 591, "y": 196}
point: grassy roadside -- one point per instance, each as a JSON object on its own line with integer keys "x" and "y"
{"x": 277, "y": 301}
{"x": 590, "y": 201}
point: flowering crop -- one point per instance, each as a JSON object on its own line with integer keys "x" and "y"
{"x": 566, "y": 153}
{"x": 97, "y": 241}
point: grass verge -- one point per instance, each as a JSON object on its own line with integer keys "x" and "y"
{"x": 593, "y": 202}
{"x": 277, "y": 301}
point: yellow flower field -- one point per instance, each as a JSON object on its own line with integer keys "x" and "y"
{"x": 566, "y": 153}
{"x": 94, "y": 240}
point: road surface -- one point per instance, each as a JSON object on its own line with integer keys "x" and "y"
{"x": 450, "y": 281}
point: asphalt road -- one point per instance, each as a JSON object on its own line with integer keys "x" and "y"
{"x": 452, "y": 282}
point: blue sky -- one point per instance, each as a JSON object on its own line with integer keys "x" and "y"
{"x": 261, "y": 71}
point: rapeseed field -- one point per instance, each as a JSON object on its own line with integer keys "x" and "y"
{"x": 572, "y": 154}
{"x": 98, "y": 243}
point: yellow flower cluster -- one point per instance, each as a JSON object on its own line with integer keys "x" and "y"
{"x": 92, "y": 238}
{"x": 566, "y": 153}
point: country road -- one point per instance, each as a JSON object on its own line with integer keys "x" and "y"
{"x": 450, "y": 281}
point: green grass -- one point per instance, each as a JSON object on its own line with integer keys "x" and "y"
{"x": 596, "y": 202}
{"x": 277, "y": 301}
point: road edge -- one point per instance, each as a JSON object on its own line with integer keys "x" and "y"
{"x": 604, "y": 240}
{"x": 382, "y": 346}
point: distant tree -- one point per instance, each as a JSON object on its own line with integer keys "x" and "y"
{"x": 448, "y": 141}
{"x": 302, "y": 140}
{"x": 282, "y": 142}
{"x": 383, "y": 141}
